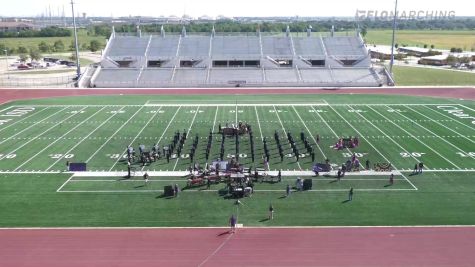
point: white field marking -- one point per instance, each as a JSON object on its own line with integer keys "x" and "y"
{"x": 466, "y": 107}
{"x": 175, "y": 181}
{"x": 188, "y": 133}
{"x": 443, "y": 139}
{"x": 36, "y": 124}
{"x": 461, "y": 135}
{"x": 215, "y": 251}
{"x": 160, "y": 174}
{"x": 84, "y": 138}
{"x": 7, "y": 108}
{"x": 194, "y": 191}
{"x": 27, "y": 117}
{"x": 166, "y": 129}
{"x": 168, "y": 126}
{"x": 308, "y": 130}
{"x": 110, "y": 138}
{"x": 259, "y": 123}
{"x": 135, "y": 138}
{"x": 227, "y": 227}
{"x": 331, "y": 129}
{"x": 384, "y": 157}
{"x": 64, "y": 184}
{"x": 36, "y": 137}
{"x": 417, "y": 139}
{"x": 285, "y": 132}
{"x": 48, "y": 146}
{"x": 236, "y": 111}
{"x": 204, "y": 104}
{"x": 450, "y": 118}
{"x": 215, "y": 117}
{"x": 405, "y": 150}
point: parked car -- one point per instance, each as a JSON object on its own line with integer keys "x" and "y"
{"x": 23, "y": 67}
{"x": 50, "y": 59}
{"x": 71, "y": 64}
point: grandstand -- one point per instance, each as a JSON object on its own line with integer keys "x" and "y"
{"x": 214, "y": 60}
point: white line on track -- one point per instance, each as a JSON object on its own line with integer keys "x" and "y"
{"x": 84, "y": 138}
{"x": 308, "y": 130}
{"x": 188, "y": 134}
{"x": 443, "y": 139}
{"x": 215, "y": 251}
{"x": 141, "y": 130}
{"x": 384, "y": 157}
{"x": 461, "y": 135}
{"x": 35, "y": 125}
{"x": 110, "y": 138}
{"x": 417, "y": 139}
{"x": 376, "y": 127}
{"x": 60, "y": 138}
{"x": 285, "y": 132}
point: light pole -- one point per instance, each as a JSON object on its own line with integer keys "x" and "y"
{"x": 6, "y": 58}
{"x": 78, "y": 70}
{"x": 393, "y": 40}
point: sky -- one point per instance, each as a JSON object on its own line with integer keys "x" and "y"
{"x": 234, "y": 8}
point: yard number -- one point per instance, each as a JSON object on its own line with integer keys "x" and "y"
{"x": 156, "y": 111}
{"x": 239, "y": 111}
{"x": 466, "y": 155}
{"x": 116, "y": 111}
{"x": 76, "y": 112}
{"x": 413, "y": 154}
{"x": 316, "y": 111}
{"x": 9, "y": 156}
{"x": 230, "y": 156}
{"x": 58, "y": 156}
{"x": 395, "y": 110}
{"x": 356, "y": 111}
{"x": 349, "y": 155}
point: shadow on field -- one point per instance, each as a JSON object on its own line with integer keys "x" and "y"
{"x": 346, "y": 201}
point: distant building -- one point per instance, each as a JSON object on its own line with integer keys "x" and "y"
{"x": 16, "y": 26}
{"x": 384, "y": 53}
{"x": 418, "y": 51}
{"x": 438, "y": 60}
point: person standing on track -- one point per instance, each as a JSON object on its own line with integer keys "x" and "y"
{"x": 232, "y": 223}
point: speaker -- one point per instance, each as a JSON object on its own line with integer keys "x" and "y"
{"x": 168, "y": 191}
{"x": 307, "y": 184}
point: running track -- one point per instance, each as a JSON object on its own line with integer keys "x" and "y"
{"x": 332, "y": 247}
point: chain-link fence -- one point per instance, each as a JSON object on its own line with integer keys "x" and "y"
{"x": 16, "y": 81}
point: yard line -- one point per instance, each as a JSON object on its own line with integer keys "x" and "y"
{"x": 418, "y": 139}
{"x": 450, "y": 118}
{"x": 7, "y": 108}
{"x": 405, "y": 150}
{"x": 384, "y": 157}
{"x": 188, "y": 133}
{"x": 465, "y": 107}
{"x": 259, "y": 123}
{"x": 64, "y": 184}
{"x": 35, "y": 125}
{"x": 75, "y": 127}
{"x": 285, "y": 132}
{"x": 236, "y": 113}
{"x": 27, "y": 117}
{"x": 215, "y": 117}
{"x": 452, "y": 145}
{"x": 143, "y": 128}
{"x": 112, "y": 136}
{"x": 84, "y": 138}
{"x": 36, "y": 137}
{"x": 461, "y": 135}
{"x": 309, "y": 132}
{"x": 331, "y": 129}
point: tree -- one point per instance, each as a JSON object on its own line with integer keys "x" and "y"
{"x": 35, "y": 54}
{"x": 451, "y": 60}
{"x": 44, "y": 47}
{"x": 72, "y": 46}
{"x": 432, "y": 46}
{"x": 73, "y": 57}
{"x": 22, "y": 50}
{"x": 24, "y": 57}
{"x": 396, "y": 45}
{"x": 94, "y": 46}
{"x": 425, "y": 46}
{"x": 84, "y": 46}
{"x": 364, "y": 31}
{"x": 58, "y": 46}
{"x": 453, "y": 49}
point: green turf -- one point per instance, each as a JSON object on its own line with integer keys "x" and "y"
{"x": 408, "y": 76}
{"x": 440, "y": 39}
{"x": 401, "y": 130}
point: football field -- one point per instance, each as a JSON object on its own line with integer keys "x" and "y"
{"x": 39, "y": 138}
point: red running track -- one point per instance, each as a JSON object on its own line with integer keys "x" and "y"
{"x": 454, "y": 92}
{"x": 331, "y": 247}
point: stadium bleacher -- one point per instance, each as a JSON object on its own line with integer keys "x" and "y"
{"x": 199, "y": 60}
